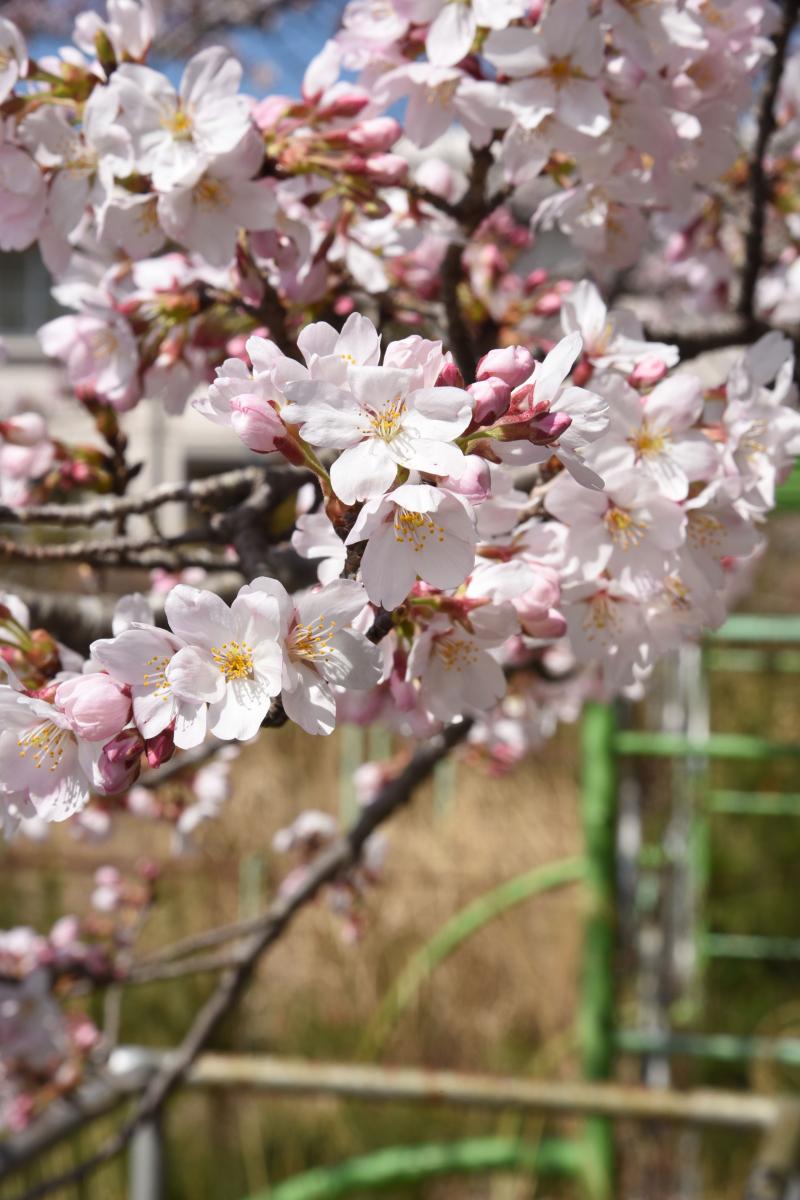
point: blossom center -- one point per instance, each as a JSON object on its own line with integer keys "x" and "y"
{"x": 44, "y": 743}
{"x": 415, "y": 528}
{"x": 601, "y": 614}
{"x": 211, "y": 194}
{"x": 157, "y": 679}
{"x": 387, "y": 423}
{"x": 624, "y": 531}
{"x": 104, "y": 343}
{"x": 312, "y": 641}
{"x": 560, "y": 71}
{"x": 703, "y": 530}
{"x": 456, "y": 653}
{"x": 442, "y": 93}
{"x": 234, "y": 659}
{"x": 179, "y": 124}
{"x": 647, "y": 443}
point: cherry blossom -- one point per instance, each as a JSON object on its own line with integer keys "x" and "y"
{"x": 174, "y": 133}
{"x": 141, "y": 657}
{"x": 321, "y": 649}
{"x": 415, "y": 531}
{"x": 231, "y": 659}
{"x": 382, "y": 422}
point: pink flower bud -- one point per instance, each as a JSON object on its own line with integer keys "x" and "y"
{"x": 535, "y": 279}
{"x": 474, "y": 483}
{"x": 375, "y": 135}
{"x": 118, "y": 766}
{"x": 513, "y": 365}
{"x": 256, "y": 422}
{"x": 96, "y": 706}
{"x": 25, "y": 429}
{"x": 582, "y": 372}
{"x": 270, "y": 111}
{"x": 492, "y": 397}
{"x": 159, "y": 749}
{"x": 387, "y": 168}
{"x": 548, "y": 304}
{"x": 647, "y": 372}
{"x": 348, "y": 102}
{"x": 548, "y": 428}
{"x": 450, "y": 376}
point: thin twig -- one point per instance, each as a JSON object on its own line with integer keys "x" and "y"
{"x": 216, "y": 487}
{"x": 340, "y": 855}
{"x": 759, "y": 185}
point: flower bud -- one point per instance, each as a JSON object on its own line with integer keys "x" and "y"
{"x": 449, "y": 376}
{"x": 647, "y": 372}
{"x": 474, "y": 482}
{"x": 548, "y": 428}
{"x": 159, "y": 749}
{"x": 548, "y": 305}
{"x": 269, "y": 112}
{"x": 513, "y": 365}
{"x": 387, "y": 168}
{"x": 348, "y": 102}
{"x": 492, "y": 397}
{"x": 582, "y": 372}
{"x": 96, "y": 706}
{"x": 25, "y": 429}
{"x": 375, "y": 135}
{"x": 256, "y": 422}
{"x": 118, "y": 765}
{"x": 535, "y": 279}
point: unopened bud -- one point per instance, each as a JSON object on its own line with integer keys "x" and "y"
{"x": 582, "y": 373}
{"x": 387, "y": 168}
{"x": 513, "y": 364}
{"x": 375, "y": 135}
{"x": 449, "y": 376}
{"x": 348, "y": 103}
{"x": 648, "y": 371}
{"x": 535, "y": 279}
{"x": 548, "y": 304}
{"x": 548, "y": 428}
{"x": 159, "y": 749}
{"x": 474, "y": 482}
{"x": 492, "y": 397}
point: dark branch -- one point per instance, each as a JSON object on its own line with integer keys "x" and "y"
{"x": 759, "y": 186}
{"x": 338, "y": 857}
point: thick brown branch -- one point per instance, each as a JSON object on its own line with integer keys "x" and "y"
{"x": 759, "y": 186}
{"x": 342, "y": 854}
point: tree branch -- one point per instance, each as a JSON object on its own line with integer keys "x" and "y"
{"x": 759, "y": 186}
{"x": 340, "y": 855}
{"x": 224, "y": 487}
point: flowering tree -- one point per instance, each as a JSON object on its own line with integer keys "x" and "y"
{"x": 486, "y": 495}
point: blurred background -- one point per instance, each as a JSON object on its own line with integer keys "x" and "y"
{"x": 700, "y": 983}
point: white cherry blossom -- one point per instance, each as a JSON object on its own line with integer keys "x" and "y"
{"x": 382, "y": 422}
{"x": 322, "y": 650}
{"x": 415, "y": 531}
{"x": 230, "y": 659}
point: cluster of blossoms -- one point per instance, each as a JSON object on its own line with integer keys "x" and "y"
{"x": 648, "y": 485}
{"x": 45, "y": 1044}
{"x": 602, "y": 114}
{"x": 504, "y": 518}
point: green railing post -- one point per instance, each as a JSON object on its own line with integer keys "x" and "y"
{"x": 596, "y": 1014}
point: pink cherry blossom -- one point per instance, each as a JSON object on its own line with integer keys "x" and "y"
{"x": 321, "y": 649}
{"x": 415, "y": 531}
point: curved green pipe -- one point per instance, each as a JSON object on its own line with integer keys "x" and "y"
{"x": 398, "y": 1165}
{"x": 454, "y": 932}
